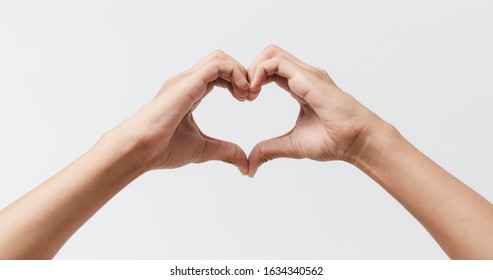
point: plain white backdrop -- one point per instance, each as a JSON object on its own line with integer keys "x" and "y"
{"x": 71, "y": 70}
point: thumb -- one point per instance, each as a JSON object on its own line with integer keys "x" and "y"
{"x": 228, "y": 152}
{"x": 279, "y": 147}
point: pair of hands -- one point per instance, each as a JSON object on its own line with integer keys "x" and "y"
{"x": 331, "y": 124}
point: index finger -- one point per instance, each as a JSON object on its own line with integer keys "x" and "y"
{"x": 277, "y": 65}
{"x": 219, "y": 65}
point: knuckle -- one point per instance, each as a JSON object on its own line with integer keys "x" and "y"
{"x": 233, "y": 156}
{"x": 272, "y": 48}
{"x": 218, "y": 54}
{"x": 217, "y": 67}
{"x": 262, "y": 156}
{"x": 170, "y": 80}
{"x": 257, "y": 150}
{"x": 279, "y": 57}
{"x": 322, "y": 71}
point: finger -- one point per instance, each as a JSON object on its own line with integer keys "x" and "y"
{"x": 276, "y": 53}
{"x": 221, "y": 65}
{"x": 279, "y": 147}
{"x": 215, "y": 55}
{"x": 240, "y": 94}
{"x": 278, "y": 65}
{"x": 270, "y": 52}
{"x": 218, "y": 83}
{"x": 291, "y": 76}
{"x": 228, "y": 152}
{"x": 227, "y": 85}
{"x": 229, "y": 71}
{"x": 280, "y": 81}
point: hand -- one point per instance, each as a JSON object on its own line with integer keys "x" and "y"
{"x": 330, "y": 122}
{"x": 165, "y": 128}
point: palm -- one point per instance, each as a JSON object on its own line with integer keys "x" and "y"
{"x": 185, "y": 145}
{"x": 309, "y": 139}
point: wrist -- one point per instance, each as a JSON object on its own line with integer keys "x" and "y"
{"x": 124, "y": 151}
{"x": 374, "y": 141}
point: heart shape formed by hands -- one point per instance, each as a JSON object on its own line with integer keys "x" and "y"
{"x": 273, "y": 113}
{"x": 327, "y": 128}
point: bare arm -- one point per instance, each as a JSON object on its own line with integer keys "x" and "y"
{"x": 334, "y": 126}
{"x": 459, "y": 219}
{"x": 162, "y": 134}
{"x": 37, "y": 225}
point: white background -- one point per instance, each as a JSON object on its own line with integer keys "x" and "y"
{"x": 332, "y": 269}
{"x": 69, "y": 71}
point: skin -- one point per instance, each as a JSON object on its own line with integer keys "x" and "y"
{"x": 162, "y": 134}
{"x": 331, "y": 125}
{"x": 334, "y": 126}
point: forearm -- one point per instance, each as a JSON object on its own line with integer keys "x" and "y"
{"x": 162, "y": 134}
{"x": 459, "y": 219}
{"x": 37, "y": 225}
